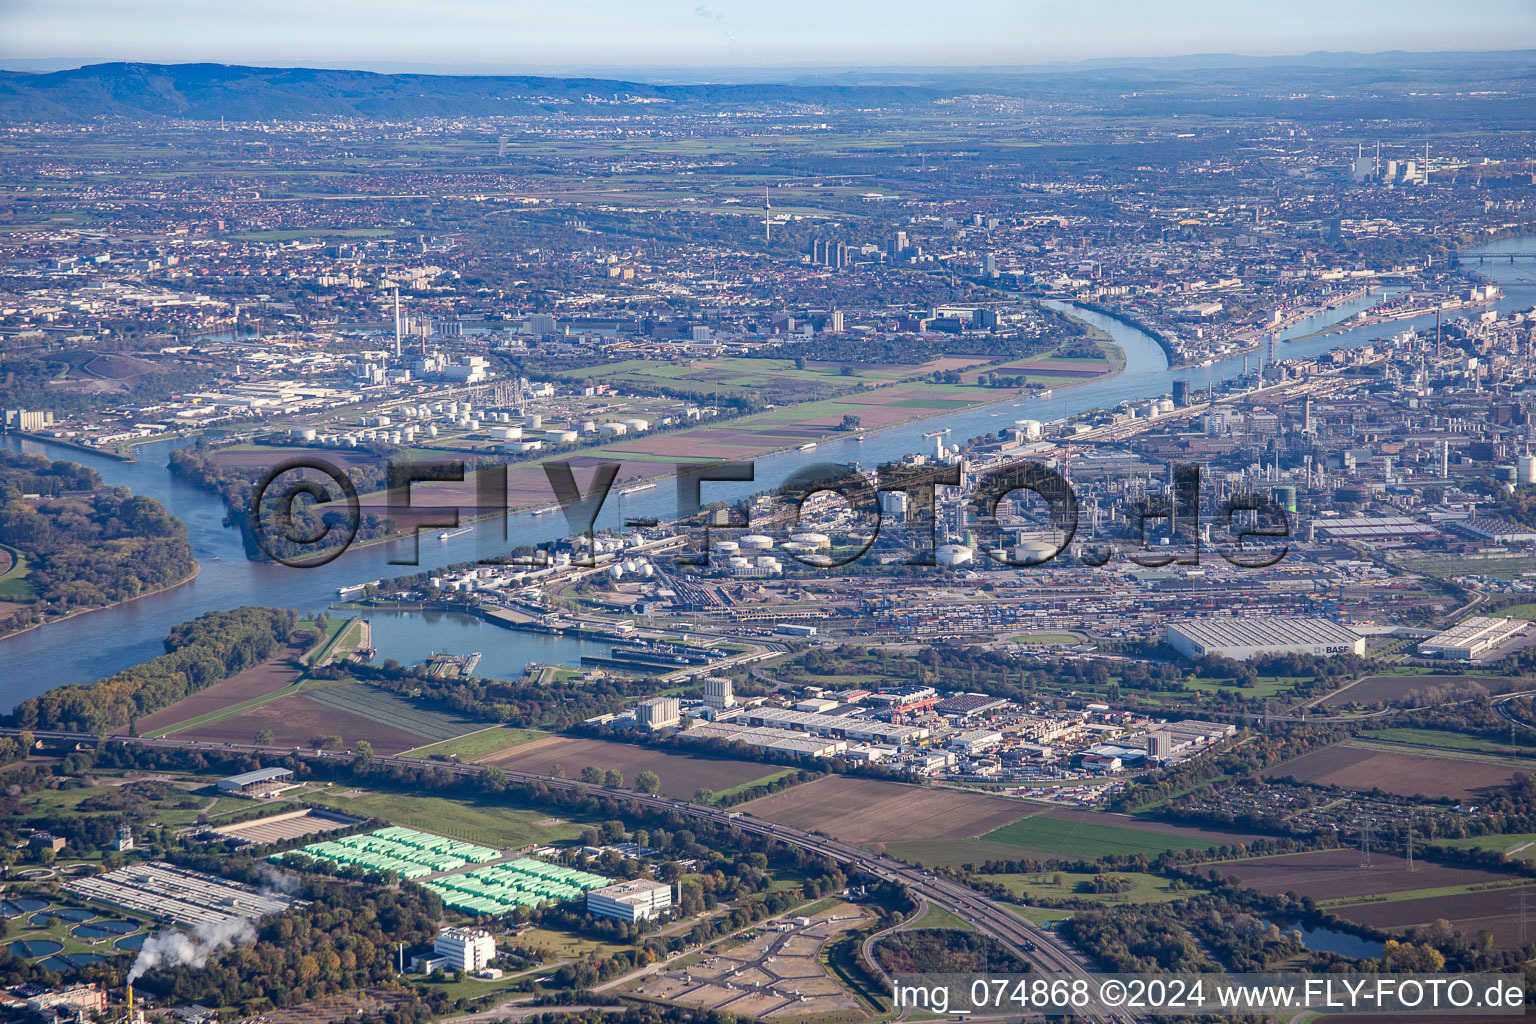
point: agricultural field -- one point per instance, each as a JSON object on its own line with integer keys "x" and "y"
{"x": 1387, "y": 688}
{"x": 270, "y": 677}
{"x": 1494, "y": 910}
{"x": 1516, "y": 846}
{"x": 393, "y": 712}
{"x": 1074, "y": 885}
{"x": 475, "y": 745}
{"x": 1066, "y": 833}
{"x": 874, "y": 811}
{"x": 1404, "y": 771}
{"x": 496, "y": 824}
{"x": 681, "y": 774}
{"x": 1336, "y": 875}
{"x": 13, "y": 576}
{"x": 296, "y": 720}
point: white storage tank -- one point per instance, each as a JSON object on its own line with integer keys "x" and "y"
{"x": 726, "y": 548}
{"x": 954, "y": 554}
{"x": 561, "y": 436}
{"x": 588, "y": 427}
{"x": 1031, "y": 429}
{"x": 1032, "y": 551}
{"x": 536, "y": 421}
{"x": 613, "y": 429}
{"x": 756, "y": 542}
{"x": 814, "y": 541}
{"x": 636, "y": 424}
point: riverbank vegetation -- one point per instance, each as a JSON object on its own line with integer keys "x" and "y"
{"x": 75, "y": 544}
{"x": 198, "y": 654}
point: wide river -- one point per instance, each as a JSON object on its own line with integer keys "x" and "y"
{"x": 90, "y": 646}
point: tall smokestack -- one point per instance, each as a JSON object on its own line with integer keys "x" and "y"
{"x": 397, "y": 321}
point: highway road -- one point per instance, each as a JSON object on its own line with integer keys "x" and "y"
{"x": 1047, "y": 951}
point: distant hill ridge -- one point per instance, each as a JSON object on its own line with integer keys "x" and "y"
{"x": 206, "y": 92}
{"x": 1399, "y": 85}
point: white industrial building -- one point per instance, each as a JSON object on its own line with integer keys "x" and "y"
{"x": 659, "y": 713}
{"x": 639, "y": 899}
{"x": 1471, "y": 637}
{"x": 718, "y": 693}
{"x": 263, "y": 782}
{"x": 975, "y": 741}
{"x": 1243, "y": 638}
{"x": 465, "y": 949}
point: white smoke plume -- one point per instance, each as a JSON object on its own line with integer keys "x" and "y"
{"x": 274, "y": 880}
{"x": 192, "y": 949}
{"x": 719, "y": 19}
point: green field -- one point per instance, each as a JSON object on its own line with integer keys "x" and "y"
{"x": 765, "y": 780}
{"x": 1436, "y": 738}
{"x": 1054, "y": 835}
{"x": 1041, "y": 886}
{"x": 13, "y": 582}
{"x": 475, "y": 820}
{"x": 1517, "y": 845}
{"x": 479, "y": 744}
{"x": 388, "y": 710}
{"x": 937, "y": 917}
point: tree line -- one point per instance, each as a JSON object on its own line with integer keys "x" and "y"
{"x": 198, "y": 654}
{"x": 86, "y": 545}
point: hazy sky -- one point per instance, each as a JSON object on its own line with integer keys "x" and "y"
{"x": 517, "y": 34}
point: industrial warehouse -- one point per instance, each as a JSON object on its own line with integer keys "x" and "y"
{"x": 1242, "y": 639}
{"x": 169, "y": 893}
{"x": 1472, "y": 637}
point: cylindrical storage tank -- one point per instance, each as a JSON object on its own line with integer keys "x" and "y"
{"x": 726, "y": 548}
{"x": 1285, "y": 496}
{"x": 635, "y": 423}
{"x": 613, "y": 429}
{"x": 738, "y": 562}
{"x": 812, "y": 540}
{"x": 1164, "y": 406}
{"x": 1033, "y": 551}
{"x": 1352, "y": 494}
{"x": 588, "y": 427}
{"x": 1506, "y": 474}
{"x": 954, "y": 554}
{"x": 561, "y": 436}
{"x": 395, "y": 437}
{"x": 1525, "y": 469}
{"x": 536, "y": 421}
{"x": 756, "y": 542}
{"x": 507, "y": 433}
{"x": 1031, "y": 429}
